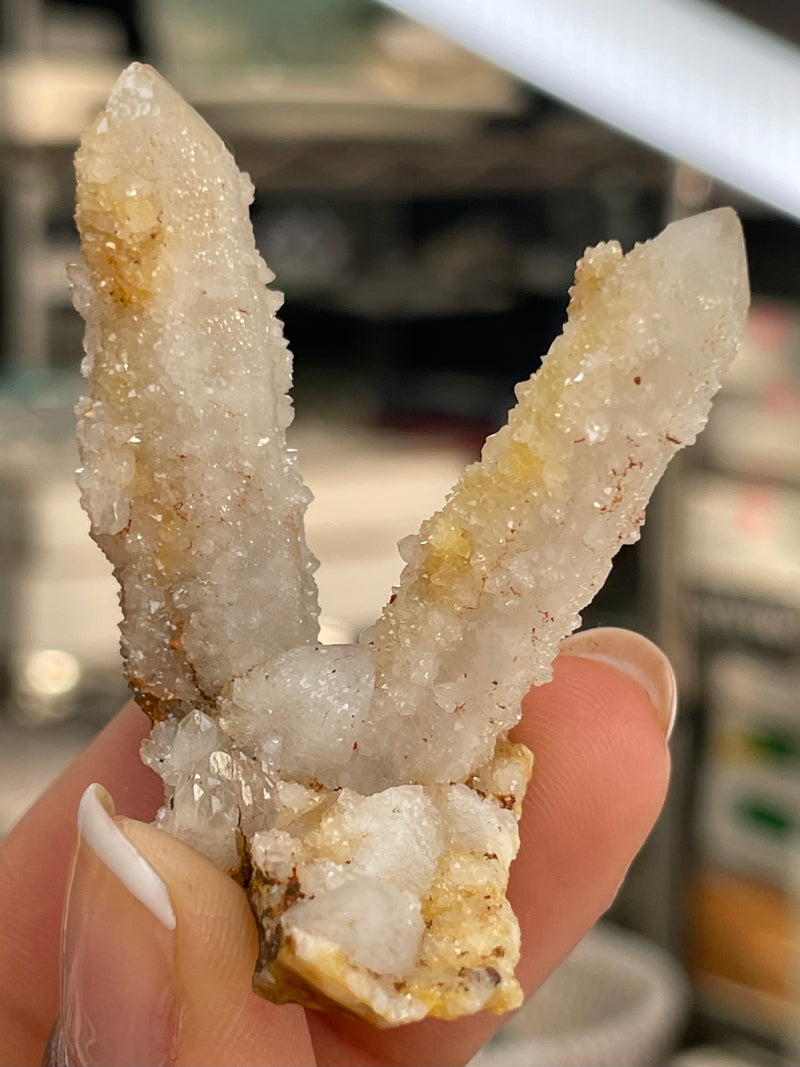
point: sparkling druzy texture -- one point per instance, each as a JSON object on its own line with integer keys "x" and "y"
{"x": 367, "y": 796}
{"x": 183, "y": 437}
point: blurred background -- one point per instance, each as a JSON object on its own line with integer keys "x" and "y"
{"x": 423, "y": 211}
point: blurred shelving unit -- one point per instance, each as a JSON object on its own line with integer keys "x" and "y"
{"x": 740, "y": 571}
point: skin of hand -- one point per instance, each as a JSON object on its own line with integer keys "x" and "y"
{"x": 167, "y": 979}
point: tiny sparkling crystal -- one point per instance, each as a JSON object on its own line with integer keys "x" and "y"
{"x": 367, "y": 796}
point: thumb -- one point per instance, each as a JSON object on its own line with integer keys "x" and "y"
{"x": 158, "y": 950}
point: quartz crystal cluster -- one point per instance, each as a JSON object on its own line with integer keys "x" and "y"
{"x": 367, "y": 796}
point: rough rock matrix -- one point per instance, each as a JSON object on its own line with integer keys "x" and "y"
{"x": 367, "y": 796}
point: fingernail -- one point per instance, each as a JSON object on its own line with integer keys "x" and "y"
{"x": 635, "y": 656}
{"x": 118, "y": 998}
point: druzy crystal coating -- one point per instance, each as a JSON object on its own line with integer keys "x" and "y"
{"x": 366, "y": 796}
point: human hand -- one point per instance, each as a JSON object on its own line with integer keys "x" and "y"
{"x": 138, "y": 988}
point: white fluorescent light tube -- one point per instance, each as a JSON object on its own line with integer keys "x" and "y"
{"x": 681, "y": 75}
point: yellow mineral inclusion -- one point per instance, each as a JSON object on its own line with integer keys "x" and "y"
{"x": 449, "y": 540}
{"x": 460, "y": 544}
{"x": 122, "y": 238}
{"x": 449, "y": 548}
{"x": 518, "y": 461}
{"x": 592, "y": 271}
{"x": 523, "y": 463}
{"x": 471, "y": 943}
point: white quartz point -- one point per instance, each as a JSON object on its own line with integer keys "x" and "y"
{"x": 186, "y": 476}
{"x": 496, "y": 579}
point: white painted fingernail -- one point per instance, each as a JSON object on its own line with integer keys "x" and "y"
{"x": 98, "y": 829}
{"x": 118, "y": 989}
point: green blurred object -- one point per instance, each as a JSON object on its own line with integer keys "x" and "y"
{"x": 764, "y": 816}
{"x": 197, "y": 35}
{"x": 770, "y": 741}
